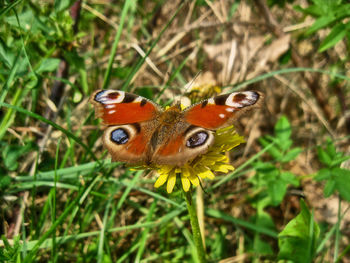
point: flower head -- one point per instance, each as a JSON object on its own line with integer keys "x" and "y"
{"x": 203, "y": 166}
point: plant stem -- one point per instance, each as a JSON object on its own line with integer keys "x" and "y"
{"x": 197, "y": 238}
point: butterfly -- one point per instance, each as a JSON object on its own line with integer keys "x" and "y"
{"x": 140, "y": 131}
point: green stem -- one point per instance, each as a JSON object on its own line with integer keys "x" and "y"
{"x": 197, "y": 238}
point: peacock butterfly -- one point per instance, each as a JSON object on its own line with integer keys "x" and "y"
{"x": 139, "y": 131}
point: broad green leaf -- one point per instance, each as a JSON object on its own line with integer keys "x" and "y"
{"x": 342, "y": 180}
{"x": 324, "y": 157}
{"x": 284, "y": 144}
{"x": 320, "y": 23}
{"x": 283, "y": 129}
{"x": 48, "y": 65}
{"x": 5, "y": 181}
{"x": 291, "y": 155}
{"x": 330, "y": 148}
{"x": 297, "y": 241}
{"x": 262, "y": 247}
{"x": 277, "y": 190}
{"x": 329, "y": 188}
{"x": 339, "y": 159}
{"x": 323, "y": 174}
{"x": 7, "y": 56}
{"x": 273, "y": 150}
{"x": 74, "y": 59}
{"x": 11, "y": 154}
{"x": 337, "y": 33}
{"x": 311, "y": 10}
{"x": 61, "y": 5}
{"x": 290, "y": 178}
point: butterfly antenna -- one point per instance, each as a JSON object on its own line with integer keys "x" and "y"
{"x": 190, "y": 84}
{"x": 187, "y": 87}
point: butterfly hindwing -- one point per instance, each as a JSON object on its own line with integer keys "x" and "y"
{"x": 126, "y": 143}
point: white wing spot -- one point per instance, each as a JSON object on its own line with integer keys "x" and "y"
{"x": 230, "y": 109}
{"x": 111, "y": 111}
{"x": 221, "y": 115}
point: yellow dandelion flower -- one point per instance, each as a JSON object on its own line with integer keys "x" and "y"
{"x": 202, "y": 167}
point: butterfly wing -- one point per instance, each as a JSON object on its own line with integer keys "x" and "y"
{"x": 222, "y": 110}
{"x": 119, "y": 107}
{"x": 131, "y": 121}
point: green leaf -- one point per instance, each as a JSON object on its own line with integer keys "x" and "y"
{"x": 74, "y": 59}
{"x": 61, "y": 5}
{"x": 297, "y": 241}
{"x": 337, "y": 33}
{"x": 284, "y": 145}
{"x": 11, "y": 154}
{"x": 342, "y": 182}
{"x": 262, "y": 247}
{"x": 311, "y": 10}
{"x": 273, "y": 150}
{"x": 5, "y": 181}
{"x": 329, "y": 188}
{"x": 283, "y": 129}
{"x": 277, "y": 191}
{"x": 320, "y": 23}
{"x": 330, "y": 148}
{"x": 266, "y": 171}
{"x": 323, "y": 174}
{"x": 48, "y": 65}
{"x": 291, "y": 155}
{"x": 7, "y": 56}
{"x": 324, "y": 157}
{"x": 290, "y": 178}
{"x": 339, "y": 159}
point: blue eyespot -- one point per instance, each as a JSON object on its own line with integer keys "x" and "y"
{"x": 119, "y": 136}
{"x": 197, "y": 139}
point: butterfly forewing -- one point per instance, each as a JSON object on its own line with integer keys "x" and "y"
{"x": 221, "y": 111}
{"x": 119, "y": 107}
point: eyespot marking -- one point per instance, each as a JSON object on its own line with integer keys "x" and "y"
{"x": 197, "y": 139}
{"x": 120, "y": 136}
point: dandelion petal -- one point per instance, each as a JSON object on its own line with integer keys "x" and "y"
{"x": 161, "y": 180}
{"x": 171, "y": 182}
{"x": 194, "y": 180}
{"x": 185, "y": 183}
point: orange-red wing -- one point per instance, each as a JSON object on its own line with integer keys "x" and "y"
{"x": 119, "y": 107}
{"x": 172, "y": 147}
{"x": 211, "y": 116}
{"x": 222, "y": 110}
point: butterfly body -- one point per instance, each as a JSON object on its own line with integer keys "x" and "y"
{"x": 140, "y": 131}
